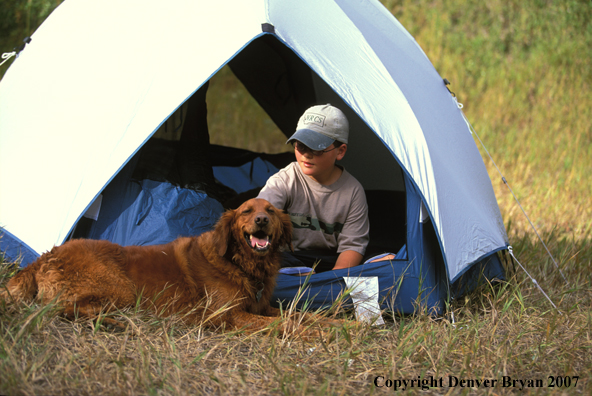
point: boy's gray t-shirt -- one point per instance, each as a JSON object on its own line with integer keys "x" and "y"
{"x": 333, "y": 218}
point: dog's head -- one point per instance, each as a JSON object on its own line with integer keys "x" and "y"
{"x": 256, "y": 226}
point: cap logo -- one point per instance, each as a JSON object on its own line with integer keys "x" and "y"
{"x": 316, "y": 119}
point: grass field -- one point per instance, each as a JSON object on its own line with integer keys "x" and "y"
{"x": 523, "y": 70}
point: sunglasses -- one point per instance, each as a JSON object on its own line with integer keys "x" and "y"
{"x": 304, "y": 149}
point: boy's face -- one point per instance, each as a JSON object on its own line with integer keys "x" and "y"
{"x": 320, "y": 167}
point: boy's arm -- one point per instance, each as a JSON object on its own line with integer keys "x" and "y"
{"x": 347, "y": 259}
{"x": 354, "y": 237}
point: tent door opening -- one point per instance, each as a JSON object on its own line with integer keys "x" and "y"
{"x": 181, "y": 152}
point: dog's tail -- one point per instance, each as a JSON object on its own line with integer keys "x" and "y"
{"x": 23, "y": 286}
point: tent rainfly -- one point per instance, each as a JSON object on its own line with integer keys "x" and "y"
{"x": 102, "y": 119}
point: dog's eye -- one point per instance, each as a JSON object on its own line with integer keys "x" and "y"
{"x": 247, "y": 211}
{"x": 270, "y": 210}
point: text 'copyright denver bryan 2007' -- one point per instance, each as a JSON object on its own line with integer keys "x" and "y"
{"x": 452, "y": 381}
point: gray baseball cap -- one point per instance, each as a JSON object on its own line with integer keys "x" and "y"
{"x": 320, "y": 126}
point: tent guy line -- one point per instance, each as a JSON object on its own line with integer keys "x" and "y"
{"x": 510, "y": 250}
{"x": 474, "y": 132}
{"x": 517, "y": 201}
{"x": 6, "y": 56}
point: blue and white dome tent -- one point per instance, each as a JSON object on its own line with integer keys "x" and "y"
{"x": 81, "y": 105}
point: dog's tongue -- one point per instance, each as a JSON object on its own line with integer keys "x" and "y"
{"x": 259, "y": 242}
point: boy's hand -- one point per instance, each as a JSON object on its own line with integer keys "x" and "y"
{"x": 348, "y": 259}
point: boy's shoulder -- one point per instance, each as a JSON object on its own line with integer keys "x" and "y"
{"x": 350, "y": 180}
{"x": 288, "y": 171}
{"x": 285, "y": 177}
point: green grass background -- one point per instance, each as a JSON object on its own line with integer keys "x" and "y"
{"x": 523, "y": 70}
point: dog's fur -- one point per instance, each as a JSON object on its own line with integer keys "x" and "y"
{"x": 222, "y": 277}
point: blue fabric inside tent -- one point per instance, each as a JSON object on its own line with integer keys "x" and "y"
{"x": 245, "y": 177}
{"x": 155, "y": 213}
{"x": 147, "y": 212}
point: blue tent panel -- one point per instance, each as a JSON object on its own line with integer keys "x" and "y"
{"x": 487, "y": 269}
{"x": 246, "y": 177}
{"x": 155, "y": 213}
{"x": 147, "y": 212}
{"x": 403, "y": 287}
{"x": 15, "y": 250}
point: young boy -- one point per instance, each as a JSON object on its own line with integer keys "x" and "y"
{"x": 327, "y": 205}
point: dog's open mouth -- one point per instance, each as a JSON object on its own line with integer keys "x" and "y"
{"x": 259, "y": 241}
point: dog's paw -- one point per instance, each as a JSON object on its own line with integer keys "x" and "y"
{"x": 316, "y": 332}
{"x": 330, "y": 322}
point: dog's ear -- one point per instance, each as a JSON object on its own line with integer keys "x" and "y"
{"x": 286, "y": 237}
{"x": 223, "y": 232}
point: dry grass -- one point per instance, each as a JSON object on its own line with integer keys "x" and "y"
{"x": 508, "y": 330}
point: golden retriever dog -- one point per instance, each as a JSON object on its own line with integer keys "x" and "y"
{"x": 224, "y": 277}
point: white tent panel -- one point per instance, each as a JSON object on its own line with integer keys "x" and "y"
{"x": 127, "y": 68}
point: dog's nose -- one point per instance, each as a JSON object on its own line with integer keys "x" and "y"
{"x": 261, "y": 219}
